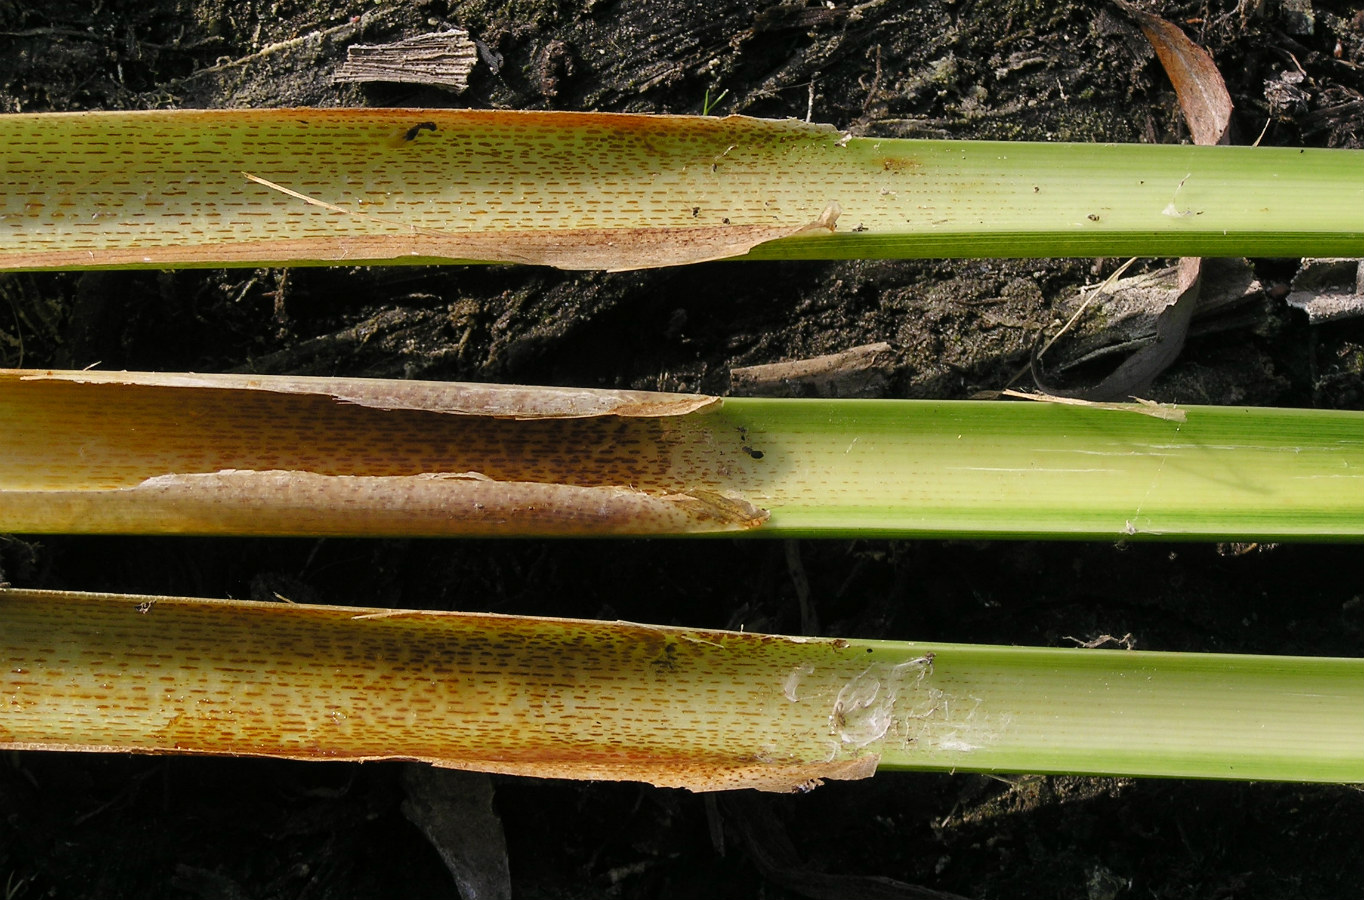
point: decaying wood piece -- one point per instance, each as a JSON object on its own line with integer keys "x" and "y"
{"x": 556, "y": 698}
{"x": 856, "y": 372}
{"x": 1329, "y": 290}
{"x": 227, "y": 454}
{"x": 442, "y": 59}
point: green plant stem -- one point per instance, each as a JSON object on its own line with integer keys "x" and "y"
{"x": 673, "y": 706}
{"x": 587, "y": 190}
{"x": 146, "y": 453}
{"x": 1143, "y": 713}
{"x": 997, "y": 469}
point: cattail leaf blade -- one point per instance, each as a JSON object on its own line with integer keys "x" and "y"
{"x": 678, "y": 707}
{"x": 171, "y": 188}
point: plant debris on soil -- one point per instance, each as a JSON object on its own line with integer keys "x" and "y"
{"x": 112, "y": 825}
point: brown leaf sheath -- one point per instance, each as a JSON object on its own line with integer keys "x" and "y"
{"x": 503, "y": 401}
{"x": 225, "y": 187}
{"x": 204, "y": 454}
{"x": 558, "y": 698}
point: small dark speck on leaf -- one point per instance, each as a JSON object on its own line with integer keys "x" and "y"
{"x": 418, "y": 129}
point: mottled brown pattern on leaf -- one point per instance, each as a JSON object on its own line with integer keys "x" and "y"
{"x": 229, "y": 187}
{"x": 544, "y": 697}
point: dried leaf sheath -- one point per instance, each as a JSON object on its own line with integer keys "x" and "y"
{"x": 241, "y": 454}
{"x": 678, "y": 707}
{"x": 139, "y": 452}
{"x": 501, "y": 401}
{"x": 543, "y": 697}
{"x": 229, "y": 187}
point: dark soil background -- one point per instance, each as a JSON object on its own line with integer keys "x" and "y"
{"x": 111, "y": 826}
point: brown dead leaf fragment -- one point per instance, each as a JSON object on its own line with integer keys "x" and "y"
{"x": 1119, "y": 316}
{"x": 1207, "y": 108}
{"x": 1134, "y": 375}
{"x": 1202, "y": 92}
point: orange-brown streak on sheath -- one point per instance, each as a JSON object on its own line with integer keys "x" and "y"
{"x": 543, "y": 697}
{"x": 238, "y": 187}
{"x": 574, "y": 249}
{"x": 121, "y": 457}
